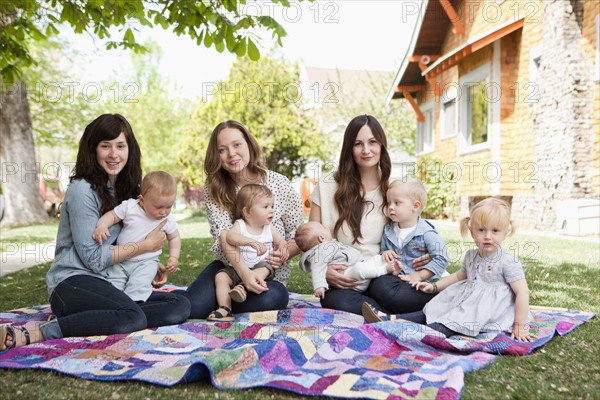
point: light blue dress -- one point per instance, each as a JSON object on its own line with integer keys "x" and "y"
{"x": 484, "y": 302}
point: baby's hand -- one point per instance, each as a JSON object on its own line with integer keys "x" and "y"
{"x": 100, "y": 234}
{"x": 414, "y": 277}
{"x": 521, "y": 333}
{"x": 259, "y": 247}
{"x": 281, "y": 247}
{"x": 172, "y": 264}
{"x": 389, "y": 256}
{"x": 394, "y": 267}
{"x": 161, "y": 276}
{"x": 320, "y": 293}
{"x": 425, "y": 287}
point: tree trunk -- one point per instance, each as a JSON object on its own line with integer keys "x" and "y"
{"x": 20, "y": 187}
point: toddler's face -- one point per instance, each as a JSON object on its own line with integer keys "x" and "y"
{"x": 157, "y": 206}
{"x": 261, "y": 212}
{"x": 401, "y": 207}
{"x": 488, "y": 238}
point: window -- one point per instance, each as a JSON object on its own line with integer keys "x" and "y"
{"x": 475, "y": 109}
{"x": 448, "y": 118}
{"x": 425, "y": 130}
{"x": 477, "y": 120}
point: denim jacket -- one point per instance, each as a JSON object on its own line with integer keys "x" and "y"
{"x": 423, "y": 236}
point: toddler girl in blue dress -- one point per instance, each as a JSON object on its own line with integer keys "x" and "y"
{"x": 488, "y": 294}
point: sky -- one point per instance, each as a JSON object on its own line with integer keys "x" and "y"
{"x": 345, "y": 34}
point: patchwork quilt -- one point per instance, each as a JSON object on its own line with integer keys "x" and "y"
{"x": 303, "y": 349}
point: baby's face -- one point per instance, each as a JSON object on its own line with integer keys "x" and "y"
{"x": 157, "y": 206}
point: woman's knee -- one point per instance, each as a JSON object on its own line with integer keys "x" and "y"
{"x": 130, "y": 320}
{"x": 276, "y": 298}
{"x": 180, "y": 310}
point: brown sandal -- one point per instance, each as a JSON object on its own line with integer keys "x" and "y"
{"x": 238, "y": 293}
{"x": 221, "y": 317}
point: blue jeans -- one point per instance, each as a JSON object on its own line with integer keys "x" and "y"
{"x": 203, "y": 297}
{"x": 87, "y": 306}
{"x": 387, "y": 293}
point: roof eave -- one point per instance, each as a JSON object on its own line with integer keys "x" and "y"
{"x": 409, "y": 51}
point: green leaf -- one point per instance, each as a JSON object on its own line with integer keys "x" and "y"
{"x": 129, "y": 36}
{"x": 240, "y": 49}
{"x": 209, "y": 39}
{"x": 253, "y": 51}
{"x": 220, "y": 46}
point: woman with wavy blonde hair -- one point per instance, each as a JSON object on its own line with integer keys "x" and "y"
{"x": 234, "y": 159}
{"x": 351, "y": 203}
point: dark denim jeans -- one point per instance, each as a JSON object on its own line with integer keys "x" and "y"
{"x": 387, "y": 293}
{"x": 203, "y": 298}
{"x": 87, "y": 306}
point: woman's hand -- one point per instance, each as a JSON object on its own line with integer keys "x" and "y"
{"x": 155, "y": 239}
{"x": 253, "y": 282}
{"x": 419, "y": 262}
{"x": 336, "y": 278}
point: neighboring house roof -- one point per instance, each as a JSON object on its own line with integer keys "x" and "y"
{"x": 333, "y": 83}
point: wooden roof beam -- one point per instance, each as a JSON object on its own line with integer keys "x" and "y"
{"x": 458, "y": 27}
{"x": 410, "y": 88}
{"x": 414, "y": 105}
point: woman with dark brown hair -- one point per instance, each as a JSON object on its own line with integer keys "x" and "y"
{"x": 234, "y": 159}
{"x": 351, "y": 202}
{"x": 84, "y": 302}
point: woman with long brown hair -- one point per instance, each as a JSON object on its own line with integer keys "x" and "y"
{"x": 234, "y": 159}
{"x": 351, "y": 202}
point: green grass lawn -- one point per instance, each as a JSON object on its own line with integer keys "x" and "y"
{"x": 561, "y": 272}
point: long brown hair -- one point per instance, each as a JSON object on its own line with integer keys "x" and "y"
{"x": 220, "y": 183}
{"x": 109, "y": 127}
{"x": 349, "y": 197}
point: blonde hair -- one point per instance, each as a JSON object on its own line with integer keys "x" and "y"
{"x": 305, "y": 235}
{"x": 415, "y": 189}
{"x": 161, "y": 181}
{"x": 220, "y": 183}
{"x": 247, "y": 195}
{"x": 489, "y": 211}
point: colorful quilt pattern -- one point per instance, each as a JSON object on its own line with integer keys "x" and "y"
{"x": 303, "y": 349}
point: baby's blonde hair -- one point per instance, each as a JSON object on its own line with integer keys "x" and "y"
{"x": 415, "y": 188}
{"x": 161, "y": 181}
{"x": 489, "y": 211}
{"x": 248, "y": 195}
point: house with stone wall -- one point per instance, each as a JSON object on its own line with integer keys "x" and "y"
{"x": 506, "y": 96}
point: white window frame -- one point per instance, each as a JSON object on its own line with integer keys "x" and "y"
{"x": 422, "y": 127}
{"x": 466, "y": 81}
{"x": 447, "y": 98}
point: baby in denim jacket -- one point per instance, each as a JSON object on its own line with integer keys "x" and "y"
{"x": 407, "y": 233}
